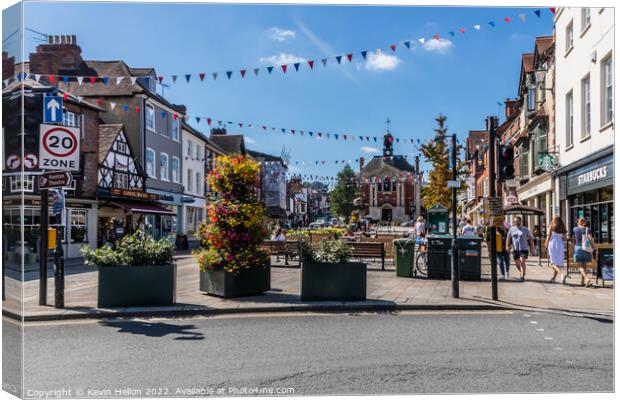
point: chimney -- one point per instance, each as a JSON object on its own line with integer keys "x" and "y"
{"x": 60, "y": 53}
{"x": 510, "y": 107}
{"x": 218, "y": 131}
{"x": 180, "y": 108}
{"x": 361, "y": 163}
{"x": 8, "y": 66}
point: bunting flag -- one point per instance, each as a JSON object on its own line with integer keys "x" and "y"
{"x": 451, "y": 33}
{"x": 350, "y": 57}
{"x": 201, "y": 76}
{"x": 393, "y": 47}
{"x": 65, "y": 79}
{"x": 256, "y": 71}
{"x": 537, "y": 12}
{"x": 187, "y": 77}
{"x": 269, "y": 69}
{"x": 229, "y": 74}
{"x": 284, "y": 68}
{"x": 522, "y": 17}
{"x": 163, "y": 114}
{"x": 112, "y": 105}
{"x": 421, "y": 40}
{"x": 311, "y": 64}
{"x": 133, "y": 80}
{"x": 406, "y": 43}
{"x": 324, "y": 61}
{"x": 296, "y": 65}
{"x": 119, "y": 79}
{"x": 492, "y": 24}
{"x": 338, "y": 58}
{"x": 242, "y": 72}
{"x": 477, "y": 27}
{"x": 174, "y": 78}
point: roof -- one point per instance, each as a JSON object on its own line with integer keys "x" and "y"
{"x": 266, "y": 157}
{"x": 230, "y": 144}
{"x": 527, "y": 62}
{"x": 102, "y": 68}
{"x": 43, "y": 86}
{"x": 107, "y": 136}
{"x": 377, "y": 162}
{"x": 138, "y": 72}
{"x": 543, "y": 43}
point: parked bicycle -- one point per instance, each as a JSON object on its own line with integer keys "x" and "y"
{"x": 421, "y": 257}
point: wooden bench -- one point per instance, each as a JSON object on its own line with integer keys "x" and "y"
{"x": 288, "y": 249}
{"x": 368, "y": 250}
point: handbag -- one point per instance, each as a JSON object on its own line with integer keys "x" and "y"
{"x": 586, "y": 244}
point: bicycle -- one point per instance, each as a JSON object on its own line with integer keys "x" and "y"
{"x": 421, "y": 257}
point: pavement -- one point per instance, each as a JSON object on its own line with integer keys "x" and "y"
{"x": 385, "y": 292}
{"x": 402, "y": 352}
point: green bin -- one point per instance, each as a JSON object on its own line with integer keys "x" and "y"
{"x": 439, "y": 256}
{"x": 403, "y": 250}
{"x": 469, "y": 257}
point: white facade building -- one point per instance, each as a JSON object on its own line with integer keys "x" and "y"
{"x": 584, "y": 117}
{"x": 194, "y": 180}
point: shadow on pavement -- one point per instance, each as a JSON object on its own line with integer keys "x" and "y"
{"x": 155, "y": 329}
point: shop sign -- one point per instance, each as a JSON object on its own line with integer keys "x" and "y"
{"x": 591, "y": 176}
{"x": 133, "y": 194}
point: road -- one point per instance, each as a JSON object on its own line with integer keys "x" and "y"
{"x": 408, "y": 352}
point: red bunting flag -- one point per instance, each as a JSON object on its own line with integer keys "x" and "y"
{"x": 284, "y": 68}
{"x": 242, "y": 73}
{"x": 92, "y": 79}
{"x": 138, "y": 109}
{"x": 202, "y": 76}
{"x": 209, "y": 121}
{"x": 507, "y": 19}
{"x": 100, "y": 102}
{"x": 52, "y": 78}
{"x": 462, "y": 30}
{"x": 393, "y": 47}
{"x": 65, "y": 96}
{"x": 350, "y": 56}
{"x": 174, "y": 116}
{"x": 311, "y": 63}
{"x": 552, "y": 9}
{"x": 436, "y": 37}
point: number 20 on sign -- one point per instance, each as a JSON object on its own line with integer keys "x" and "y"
{"x": 59, "y": 148}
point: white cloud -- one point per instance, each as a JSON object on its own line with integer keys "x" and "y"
{"x": 281, "y": 35}
{"x": 282, "y": 58}
{"x": 440, "y": 46}
{"x": 368, "y": 149}
{"x": 381, "y": 62}
{"x": 249, "y": 140}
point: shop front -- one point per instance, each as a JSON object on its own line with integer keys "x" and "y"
{"x": 194, "y": 214}
{"x": 538, "y": 193}
{"x": 172, "y": 222}
{"x": 587, "y": 191}
{"x": 80, "y": 229}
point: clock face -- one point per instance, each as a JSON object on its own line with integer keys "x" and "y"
{"x": 388, "y": 153}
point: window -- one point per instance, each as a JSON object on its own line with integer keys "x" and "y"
{"x": 79, "y": 223}
{"x": 17, "y": 184}
{"x": 150, "y": 163}
{"x": 174, "y": 134}
{"x": 585, "y": 19}
{"x": 150, "y": 117}
{"x": 175, "y": 169}
{"x": 387, "y": 185}
{"x": 197, "y": 152}
{"x": 540, "y": 144}
{"x": 190, "y": 147}
{"x": 163, "y": 166}
{"x": 569, "y": 37}
{"x": 198, "y": 181}
{"x": 531, "y": 98}
{"x": 608, "y": 91}
{"x": 569, "y": 119}
{"x": 586, "y": 117}
{"x": 190, "y": 180}
{"x": 70, "y": 119}
{"x": 121, "y": 147}
{"x": 524, "y": 158}
{"x": 121, "y": 181}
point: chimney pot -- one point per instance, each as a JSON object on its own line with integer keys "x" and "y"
{"x": 73, "y": 39}
{"x": 50, "y": 39}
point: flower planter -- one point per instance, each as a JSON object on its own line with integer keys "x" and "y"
{"x": 247, "y": 282}
{"x": 136, "y": 286}
{"x": 333, "y": 281}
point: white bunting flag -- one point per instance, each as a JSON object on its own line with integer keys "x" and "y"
{"x": 119, "y": 79}
{"x": 80, "y": 98}
{"x": 80, "y": 79}
{"x": 421, "y": 40}
{"x": 37, "y": 77}
{"x": 6, "y": 82}
{"x": 477, "y": 27}
{"x": 133, "y": 80}
{"x": 522, "y": 17}
{"x": 112, "y": 105}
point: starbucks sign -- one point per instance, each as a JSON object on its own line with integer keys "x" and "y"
{"x": 592, "y": 176}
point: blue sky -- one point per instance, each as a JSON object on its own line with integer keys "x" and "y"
{"x": 463, "y": 77}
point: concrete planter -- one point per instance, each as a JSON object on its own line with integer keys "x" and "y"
{"x": 136, "y": 286}
{"x": 247, "y": 282}
{"x": 333, "y": 281}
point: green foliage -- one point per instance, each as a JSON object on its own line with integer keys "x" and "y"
{"x": 135, "y": 249}
{"x": 342, "y": 196}
{"x": 437, "y": 153}
{"x": 330, "y": 251}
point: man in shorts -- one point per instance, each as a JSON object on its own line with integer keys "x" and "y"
{"x": 520, "y": 241}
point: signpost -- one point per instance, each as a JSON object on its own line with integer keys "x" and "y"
{"x": 51, "y": 180}
{"x": 494, "y": 209}
{"x": 52, "y": 109}
{"x": 58, "y": 208}
{"x": 59, "y": 148}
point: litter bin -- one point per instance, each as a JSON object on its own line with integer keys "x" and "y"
{"x": 439, "y": 256}
{"x": 469, "y": 257}
{"x": 403, "y": 250}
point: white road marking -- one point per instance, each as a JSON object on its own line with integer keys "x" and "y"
{"x": 526, "y": 315}
{"x": 557, "y": 348}
{"x": 548, "y": 338}
{"x": 533, "y": 322}
{"x": 540, "y": 330}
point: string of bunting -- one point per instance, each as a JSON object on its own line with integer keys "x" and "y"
{"x": 309, "y": 64}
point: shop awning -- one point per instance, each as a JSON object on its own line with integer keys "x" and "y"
{"x": 143, "y": 208}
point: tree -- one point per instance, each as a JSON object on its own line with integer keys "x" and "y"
{"x": 342, "y": 196}
{"x": 437, "y": 153}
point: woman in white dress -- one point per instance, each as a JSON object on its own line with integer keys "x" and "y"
{"x": 555, "y": 246}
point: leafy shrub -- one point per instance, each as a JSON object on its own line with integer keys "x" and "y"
{"x": 330, "y": 251}
{"x": 135, "y": 249}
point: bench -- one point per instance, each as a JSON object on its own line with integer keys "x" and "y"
{"x": 288, "y": 249}
{"x": 368, "y": 250}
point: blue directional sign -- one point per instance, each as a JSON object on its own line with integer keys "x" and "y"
{"x": 52, "y": 109}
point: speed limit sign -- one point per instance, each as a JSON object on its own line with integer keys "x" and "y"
{"x": 59, "y": 148}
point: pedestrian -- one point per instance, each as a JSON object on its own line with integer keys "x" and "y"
{"x": 555, "y": 247}
{"x": 503, "y": 258}
{"x": 278, "y": 235}
{"x": 420, "y": 227}
{"x": 519, "y": 240}
{"x": 468, "y": 228}
{"x": 584, "y": 247}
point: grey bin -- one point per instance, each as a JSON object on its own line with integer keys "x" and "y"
{"x": 469, "y": 251}
{"x": 440, "y": 257}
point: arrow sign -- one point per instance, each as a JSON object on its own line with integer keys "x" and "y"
{"x": 56, "y": 179}
{"x": 52, "y": 109}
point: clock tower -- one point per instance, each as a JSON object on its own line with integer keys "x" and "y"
{"x": 388, "y": 142}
